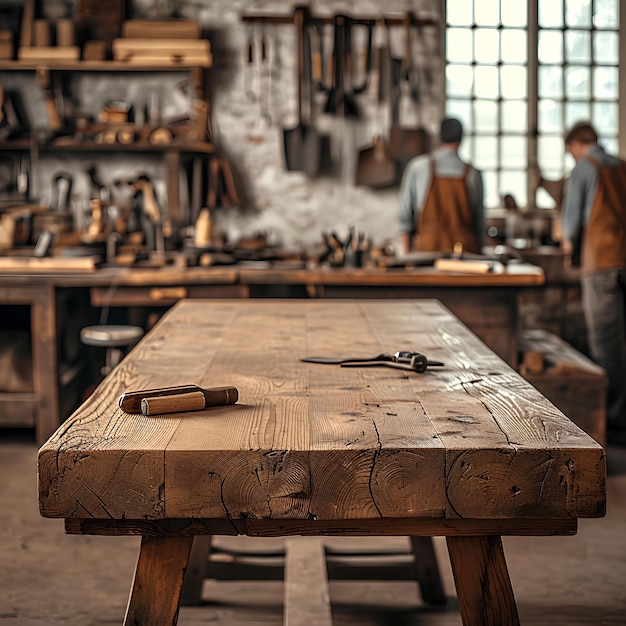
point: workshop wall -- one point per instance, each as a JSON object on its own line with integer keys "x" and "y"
{"x": 291, "y": 208}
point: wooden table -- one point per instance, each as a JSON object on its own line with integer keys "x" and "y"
{"x": 469, "y": 451}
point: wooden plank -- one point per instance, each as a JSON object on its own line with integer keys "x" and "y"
{"x": 348, "y": 528}
{"x": 482, "y": 581}
{"x": 158, "y": 581}
{"x": 307, "y": 594}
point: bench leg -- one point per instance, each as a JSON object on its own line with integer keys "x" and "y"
{"x": 427, "y": 571}
{"x": 158, "y": 582}
{"x": 482, "y": 581}
{"x": 196, "y": 570}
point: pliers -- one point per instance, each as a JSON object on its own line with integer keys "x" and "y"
{"x": 402, "y": 360}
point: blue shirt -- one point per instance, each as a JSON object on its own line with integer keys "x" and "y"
{"x": 581, "y": 191}
{"x": 416, "y": 183}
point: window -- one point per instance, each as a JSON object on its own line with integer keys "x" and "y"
{"x": 516, "y": 99}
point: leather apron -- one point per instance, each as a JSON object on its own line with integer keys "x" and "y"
{"x": 446, "y": 217}
{"x": 604, "y": 236}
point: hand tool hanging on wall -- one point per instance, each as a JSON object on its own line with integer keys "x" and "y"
{"x": 406, "y": 143}
{"x": 375, "y": 167}
{"x": 301, "y": 144}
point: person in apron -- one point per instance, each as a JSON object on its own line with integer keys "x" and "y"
{"x": 441, "y": 198}
{"x": 594, "y": 222}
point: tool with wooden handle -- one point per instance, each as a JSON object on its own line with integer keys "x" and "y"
{"x": 176, "y": 399}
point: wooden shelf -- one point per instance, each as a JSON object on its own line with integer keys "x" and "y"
{"x": 194, "y": 147}
{"x": 100, "y": 66}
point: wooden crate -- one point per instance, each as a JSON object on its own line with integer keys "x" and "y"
{"x": 571, "y": 381}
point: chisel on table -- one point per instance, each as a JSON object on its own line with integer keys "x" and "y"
{"x": 176, "y": 399}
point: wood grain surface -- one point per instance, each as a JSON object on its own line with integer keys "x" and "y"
{"x": 471, "y": 440}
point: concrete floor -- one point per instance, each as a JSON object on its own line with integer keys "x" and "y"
{"x": 47, "y": 577}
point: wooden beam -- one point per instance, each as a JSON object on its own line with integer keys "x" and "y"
{"x": 307, "y": 594}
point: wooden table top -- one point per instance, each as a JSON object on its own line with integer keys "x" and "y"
{"x": 471, "y": 440}
{"x": 515, "y": 275}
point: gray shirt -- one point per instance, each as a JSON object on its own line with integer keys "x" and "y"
{"x": 416, "y": 183}
{"x": 581, "y": 191}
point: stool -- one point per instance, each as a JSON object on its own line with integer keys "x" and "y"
{"x": 111, "y": 337}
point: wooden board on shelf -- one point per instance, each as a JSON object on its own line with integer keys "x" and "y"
{"x": 48, "y": 264}
{"x": 161, "y": 29}
{"x": 162, "y": 51}
{"x": 49, "y": 54}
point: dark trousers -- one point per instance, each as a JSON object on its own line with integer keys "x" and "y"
{"x": 604, "y": 303}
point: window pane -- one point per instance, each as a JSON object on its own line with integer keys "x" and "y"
{"x": 459, "y": 45}
{"x": 485, "y": 152}
{"x": 513, "y": 151}
{"x": 487, "y": 12}
{"x": 576, "y": 112}
{"x": 459, "y": 80}
{"x": 550, "y": 13}
{"x": 550, "y": 116}
{"x": 610, "y": 144}
{"x": 461, "y": 109}
{"x": 578, "y": 13}
{"x": 605, "y": 117}
{"x": 514, "y": 46}
{"x": 577, "y": 83}
{"x": 486, "y": 45}
{"x": 550, "y": 153}
{"x": 605, "y": 80}
{"x": 486, "y": 116}
{"x": 514, "y": 117}
{"x": 466, "y": 151}
{"x": 607, "y": 14}
{"x": 551, "y": 81}
{"x": 605, "y": 47}
{"x": 515, "y": 184}
{"x": 490, "y": 186}
{"x": 459, "y": 12}
{"x": 513, "y": 13}
{"x": 486, "y": 82}
{"x": 550, "y": 46}
{"x": 578, "y": 46}
{"x": 514, "y": 81}
{"x": 543, "y": 199}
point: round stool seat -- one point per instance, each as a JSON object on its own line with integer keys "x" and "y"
{"x": 111, "y": 335}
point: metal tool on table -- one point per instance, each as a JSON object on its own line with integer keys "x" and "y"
{"x": 402, "y": 360}
{"x": 177, "y": 399}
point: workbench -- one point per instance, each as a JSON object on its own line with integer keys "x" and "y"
{"x": 487, "y": 303}
{"x": 469, "y": 451}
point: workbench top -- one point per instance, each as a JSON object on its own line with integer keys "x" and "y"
{"x": 470, "y": 440}
{"x": 514, "y": 275}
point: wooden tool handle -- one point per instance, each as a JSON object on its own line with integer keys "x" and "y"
{"x": 130, "y": 401}
{"x": 219, "y": 396}
{"x": 178, "y": 403}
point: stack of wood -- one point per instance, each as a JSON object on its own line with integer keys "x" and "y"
{"x": 161, "y": 43}
{"x": 571, "y": 381}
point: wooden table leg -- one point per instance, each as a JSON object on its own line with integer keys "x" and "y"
{"x": 196, "y": 570}
{"x": 158, "y": 582}
{"x": 427, "y": 571}
{"x": 482, "y": 581}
